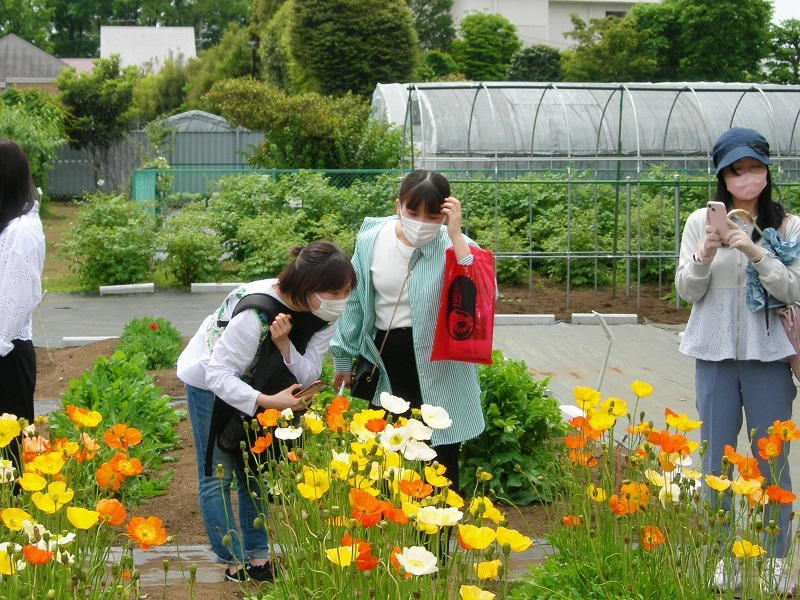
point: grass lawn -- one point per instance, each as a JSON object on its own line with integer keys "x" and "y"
{"x": 57, "y": 220}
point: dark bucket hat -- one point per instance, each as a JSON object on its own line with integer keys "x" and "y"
{"x": 738, "y": 143}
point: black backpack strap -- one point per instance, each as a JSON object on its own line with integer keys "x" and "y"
{"x": 261, "y": 302}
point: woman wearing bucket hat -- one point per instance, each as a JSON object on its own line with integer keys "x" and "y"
{"x": 740, "y": 359}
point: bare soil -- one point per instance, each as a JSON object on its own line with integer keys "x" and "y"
{"x": 179, "y": 509}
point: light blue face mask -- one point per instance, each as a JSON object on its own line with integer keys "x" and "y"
{"x": 329, "y": 310}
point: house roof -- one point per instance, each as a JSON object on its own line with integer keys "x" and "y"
{"x": 81, "y": 65}
{"x": 140, "y": 45}
{"x": 22, "y": 62}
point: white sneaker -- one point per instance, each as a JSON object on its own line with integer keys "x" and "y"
{"x": 777, "y": 578}
{"x": 726, "y": 576}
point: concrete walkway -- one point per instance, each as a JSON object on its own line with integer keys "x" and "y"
{"x": 570, "y": 355}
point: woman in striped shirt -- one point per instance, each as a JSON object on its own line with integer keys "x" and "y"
{"x": 400, "y": 265}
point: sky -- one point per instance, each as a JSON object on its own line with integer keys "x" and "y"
{"x": 786, "y": 9}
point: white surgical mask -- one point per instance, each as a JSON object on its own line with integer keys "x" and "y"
{"x": 329, "y": 310}
{"x": 419, "y": 233}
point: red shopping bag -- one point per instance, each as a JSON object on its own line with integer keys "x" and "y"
{"x": 465, "y": 324}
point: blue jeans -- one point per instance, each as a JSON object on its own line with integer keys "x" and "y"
{"x": 764, "y": 392}
{"x": 215, "y": 492}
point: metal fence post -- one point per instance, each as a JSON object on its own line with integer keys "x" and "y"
{"x": 677, "y": 232}
{"x": 627, "y": 236}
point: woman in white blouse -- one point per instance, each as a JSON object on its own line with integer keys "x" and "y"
{"x": 21, "y": 261}
{"x": 740, "y": 355}
{"x": 253, "y": 359}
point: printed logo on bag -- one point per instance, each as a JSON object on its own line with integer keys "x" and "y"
{"x": 461, "y": 308}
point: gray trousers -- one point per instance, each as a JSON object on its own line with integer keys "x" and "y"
{"x": 765, "y": 391}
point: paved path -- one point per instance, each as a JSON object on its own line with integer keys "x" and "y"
{"x": 569, "y": 354}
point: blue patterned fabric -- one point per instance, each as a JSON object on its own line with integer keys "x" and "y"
{"x": 786, "y": 251}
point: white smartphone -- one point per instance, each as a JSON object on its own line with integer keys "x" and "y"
{"x": 310, "y": 390}
{"x": 717, "y": 217}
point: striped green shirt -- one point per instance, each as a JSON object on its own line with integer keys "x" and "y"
{"x": 452, "y": 385}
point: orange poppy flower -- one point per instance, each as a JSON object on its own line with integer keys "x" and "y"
{"x": 90, "y": 446}
{"x": 375, "y": 425}
{"x": 268, "y": 418}
{"x": 395, "y": 515}
{"x": 292, "y": 456}
{"x": 366, "y": 561}
{"x": 670, "y": 443}
{"x": 33, "y": 447}
{"x": 770, "y": 447}
{"x": 584, "y": 459}
{"x": 416, "y": 489}
{"x": 779, "y": 495}
{"x": 733, "y": 457}
{"x": 262, "y": 443}
{"x": 651, "y": 537}
{"x": 366, "y": 509}
{"x": 633, "y": 497}
{"x": 121, "y": 436}
{"x": 617, "y": 506}
{"x": 36, "y": 556}
{"x": 575, "y": 442}
{"x": 336, "y": 422}
{"x": 339, "y": 404}
{"x": 396, "y": 563}
{"x": 108, "y": 477}
{"x": 125, "y": 465}
{"x": 587, "y": 431}
{"x": 786, "y": 430}
{"x": 111, "y": 511}
{"x": 146, "y": 532}
{"x": 748, "y": 468}
{"x": 571, "y": 520}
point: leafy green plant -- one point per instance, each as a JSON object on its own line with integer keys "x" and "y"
{"x": 113, "y": 241}
{"x": 522, "y": 421}
{"x": 193, "y": 250}
{"x": 120, "y": 389}
{"x": 157, "y": 339}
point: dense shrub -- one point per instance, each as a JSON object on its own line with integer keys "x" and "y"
{"x": 193, "y": 249}
{"x": 113, "y": 241}
{"x": 522, "y": 421}
{"x": 155, "y": 338}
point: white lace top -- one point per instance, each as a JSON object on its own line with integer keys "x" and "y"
{"x": 720, "y": 326}
{"x": 21, "y": 261}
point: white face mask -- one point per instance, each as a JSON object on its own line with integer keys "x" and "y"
{"x": 329, "y": 310}
{"x": 419, "y": 233}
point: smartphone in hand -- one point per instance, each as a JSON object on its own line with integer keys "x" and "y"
{"x": 310, "y": 390}
{"x": 717, "y": 217}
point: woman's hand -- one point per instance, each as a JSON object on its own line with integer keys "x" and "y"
{"x": 740, "y": 240}
{"x": 279, "y": 332}
{"x": 340, "y": 377}
{"x": 451, "y": 209}
{"x": 285, "y": 399}
{"x": 707, "y": 249}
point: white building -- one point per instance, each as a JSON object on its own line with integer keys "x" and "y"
{"x": 139, "y": 46}
{"x": 545, "y": 21}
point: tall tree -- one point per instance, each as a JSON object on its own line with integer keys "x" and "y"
{"x": 609, "y": 49}
{"x": 539, "y": 62}
{"x": 783, "y": 65}
{"x": 485, "y": 46}
{"x": 29, "y": 19}
{"x": 434, "y": 23}
{"x": 98, "y": 106}
{"x": 76, "y": 26}
{"x": 337, "y": 46}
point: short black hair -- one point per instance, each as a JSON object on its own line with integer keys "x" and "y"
{"x": 317, "y": 267}
{"x": 16, "y": 186}
{"x": 426, "y": 188}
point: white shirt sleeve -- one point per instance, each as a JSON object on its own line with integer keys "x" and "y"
{"x": 235, "y": 352}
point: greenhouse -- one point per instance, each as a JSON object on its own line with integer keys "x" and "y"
{"x": 506, "y": 125}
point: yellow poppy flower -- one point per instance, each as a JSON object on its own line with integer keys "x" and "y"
{"x": 9, "y": 430}
{"x": 50, "y": 463}
{"x": 602, "y": 421}
{"x": 341, "y": 556}
{"x": 13, "y": 518}
{"x": 315, "y": 483}
{"x": 453, "y": 499}
{"x": 745, "y": 487}
{"x": 488, "y": 569}
{"x": 471, "y": 592}
{"x": 32, "y": 482}
{"x": 477, "y": 538}
{"x": 82, "y": 518}
{"x": 435, "y": 476}
{"x": 614, "y": 406}
{"x": 57, "y": 495}
{"x": 586, "y": 397}
{"x": 745, "y": 549}
{"x": 597, "y": 494}
{"x": 313, "y": 423}
{"x": 719, "y": 484}
{"x": 514, "y": 539}
{"x": 681, "y": 422}
{"x": 641, "y": 389}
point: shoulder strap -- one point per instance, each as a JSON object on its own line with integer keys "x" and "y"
{"x": 260, "y": 301}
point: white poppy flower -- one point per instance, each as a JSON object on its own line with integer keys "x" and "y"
{"x": 415, "y": 450}
{"x": 417, "y": 561}
{"x": 394, "y": 404}
{"x": 7, "y": 470}
{"x": 61, "y": 540}
{"x": 288, "y": 433}
{"x": 287, "y": 414}
{"x": 34, "y": 531}
{"x": 343, "y": 457}
{"x": 394, "y": 439}
{"x": 440, "y": 517}
{"x": 417, "y": 430}
{"x": 435, "y": 417}
{"x": 670, "y": 492}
